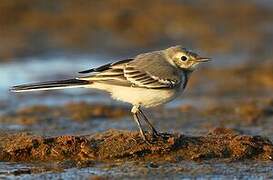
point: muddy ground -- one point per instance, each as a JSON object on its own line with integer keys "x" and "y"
{"x": 221, "y": 127}
{"x": 123, "y": 145}
{"x": 218, "y": 124}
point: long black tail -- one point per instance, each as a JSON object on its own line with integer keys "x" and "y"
{"x": 50, "y": 85}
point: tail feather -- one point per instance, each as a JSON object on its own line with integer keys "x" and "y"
{"x": 50, "y": 85}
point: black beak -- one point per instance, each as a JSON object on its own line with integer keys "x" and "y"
{"x": 202, "y": 59}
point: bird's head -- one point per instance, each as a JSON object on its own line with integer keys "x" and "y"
{"x": 183, "y": 58}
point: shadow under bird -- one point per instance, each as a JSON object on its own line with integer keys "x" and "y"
{"x": 147, "y": 80}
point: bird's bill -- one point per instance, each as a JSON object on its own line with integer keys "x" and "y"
{"x": 203, "y": 59}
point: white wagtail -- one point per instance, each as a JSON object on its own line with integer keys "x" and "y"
{"x": 148, "y": 80}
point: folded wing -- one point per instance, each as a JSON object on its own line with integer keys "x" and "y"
{"x": 149, "y": 70}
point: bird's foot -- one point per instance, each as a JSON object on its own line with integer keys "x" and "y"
{"x": 145, "y": 138}
{"x": 155, "y": 134}
{"x": 154, "y": 137}
{"x": 163, "y": 136}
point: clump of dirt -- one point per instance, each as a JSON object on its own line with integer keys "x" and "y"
{"x": 114, "y": 145}
{"x": 75, "y": 111}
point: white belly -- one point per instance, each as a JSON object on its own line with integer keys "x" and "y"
{"x": 138, "y": 96}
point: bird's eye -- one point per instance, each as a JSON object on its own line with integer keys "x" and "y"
{"x": 183, "y": 58}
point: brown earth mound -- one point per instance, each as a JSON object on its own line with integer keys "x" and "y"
{"x": 112, "y": 145}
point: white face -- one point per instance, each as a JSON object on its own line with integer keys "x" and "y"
{"x": 185, "y": 60}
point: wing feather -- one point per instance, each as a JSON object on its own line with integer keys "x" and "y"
{"x": 105, "y": 67}
{"x": 145, "y": 71}
{"x": 145, "y": 79}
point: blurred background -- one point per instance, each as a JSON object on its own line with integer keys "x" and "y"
{"x": 49, "y": 40}
{"x": 36, "y": 28}
{"x": 45, "y": 40}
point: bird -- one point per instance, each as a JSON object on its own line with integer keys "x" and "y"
{"x": 144, "y": 81}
